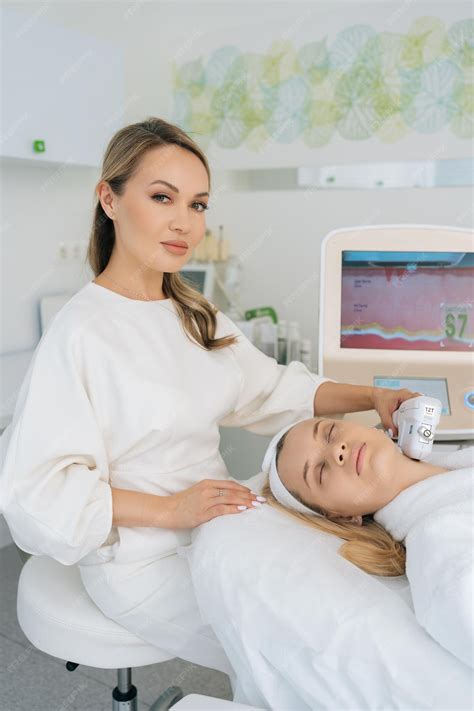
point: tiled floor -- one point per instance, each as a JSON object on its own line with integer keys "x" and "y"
{"x": 33, "y": 681}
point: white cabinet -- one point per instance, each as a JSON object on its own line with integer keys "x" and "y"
{"x": 60, "y": 86}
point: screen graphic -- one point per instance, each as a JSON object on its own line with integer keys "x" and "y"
{"x": 407, "y": 300}
{"x": 432, "y": 387}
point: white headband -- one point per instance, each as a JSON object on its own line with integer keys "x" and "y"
{"x": 278, "y": 489}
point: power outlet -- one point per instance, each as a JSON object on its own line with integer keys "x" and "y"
{"x": 69, "y": 252}
{"x": 76, "y": 251}
{"x": 63, "y": 252}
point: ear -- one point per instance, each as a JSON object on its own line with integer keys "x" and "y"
{"x": 105, "y": 197}
{"x": 357, "y": 520}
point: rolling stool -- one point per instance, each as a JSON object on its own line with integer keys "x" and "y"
{"x": 58, "y": 617}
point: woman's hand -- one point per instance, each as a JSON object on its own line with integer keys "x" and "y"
{"x": 201, "y": 502}
{"x": 386, "y": 401}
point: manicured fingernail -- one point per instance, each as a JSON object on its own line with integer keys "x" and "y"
{"x": 256, "y": 503}
{"x": 261, "y": 498}
{"x": 241, "y": 507}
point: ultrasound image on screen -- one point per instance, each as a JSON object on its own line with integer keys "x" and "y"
{"x": 407, "y": 300}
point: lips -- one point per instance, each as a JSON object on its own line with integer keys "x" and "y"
{"x": 177, "y": 243}
{"x": 359, "y": 458}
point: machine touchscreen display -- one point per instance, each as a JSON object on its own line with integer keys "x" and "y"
{"x": 407, "y": 300}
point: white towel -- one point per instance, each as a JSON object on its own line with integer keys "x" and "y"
{"x": 435, "y": 520}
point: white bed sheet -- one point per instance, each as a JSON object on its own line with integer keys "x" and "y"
{"x": 306, "y": 629}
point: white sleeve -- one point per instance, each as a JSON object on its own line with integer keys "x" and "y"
{"x": 271, "y": 395}
{"x": 54, "y": 490}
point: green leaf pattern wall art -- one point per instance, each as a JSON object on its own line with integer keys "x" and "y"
{"x": 361, "y": 85}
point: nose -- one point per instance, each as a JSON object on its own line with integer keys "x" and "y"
{"x": 341, "y": 453}
{"x": 180, "y": 219}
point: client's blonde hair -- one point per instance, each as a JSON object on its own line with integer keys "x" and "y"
{"x": 370, "y": 547}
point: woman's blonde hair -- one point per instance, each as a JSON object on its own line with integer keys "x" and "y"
{"x": 370, "y": 547}
{"x": 121, "y": 159}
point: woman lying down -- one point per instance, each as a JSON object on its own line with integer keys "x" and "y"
{"x": 393, "y": 512}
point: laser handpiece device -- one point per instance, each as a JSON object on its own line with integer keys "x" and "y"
{"x": 417, "y": 420}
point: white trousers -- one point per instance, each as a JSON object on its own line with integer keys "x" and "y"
{"x": 156, "y": 602}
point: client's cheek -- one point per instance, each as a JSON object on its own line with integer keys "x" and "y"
{"x": 359, "y": 500}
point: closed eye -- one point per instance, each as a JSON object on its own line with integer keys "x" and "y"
{"x": 328, "y": 441}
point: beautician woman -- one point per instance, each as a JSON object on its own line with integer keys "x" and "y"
{"x": 112, "y": 456}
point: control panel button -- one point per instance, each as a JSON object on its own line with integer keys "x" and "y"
{"x": 469, "y": 399}
{"x": 425, "y": 432}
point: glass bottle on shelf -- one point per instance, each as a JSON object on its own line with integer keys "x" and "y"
{"x": 293, "y": 341}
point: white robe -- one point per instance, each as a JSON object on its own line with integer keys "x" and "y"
{"x": 117, "y": 395}
{"x": 434, "y": 517}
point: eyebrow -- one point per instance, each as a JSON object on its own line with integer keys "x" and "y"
{"x": 175, "y": 189}
{"x": 306, "y": 466}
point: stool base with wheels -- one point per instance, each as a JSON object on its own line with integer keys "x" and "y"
{"x": 125, "y": 695}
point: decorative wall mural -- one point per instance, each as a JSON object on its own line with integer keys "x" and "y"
{"x": 361, "y": 85}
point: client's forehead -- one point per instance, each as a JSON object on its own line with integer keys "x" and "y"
{"x": 301, "y": 437}
{"x": 303, "y": 429}
{"x": 299, "y": 434}
{"x": 294, "y": 452}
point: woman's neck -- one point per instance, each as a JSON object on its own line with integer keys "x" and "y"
{"x": 412, "y": 471}
{"x": 135, "y": 282}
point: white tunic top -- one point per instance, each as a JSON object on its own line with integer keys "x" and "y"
{"x": 117, "y": 395}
